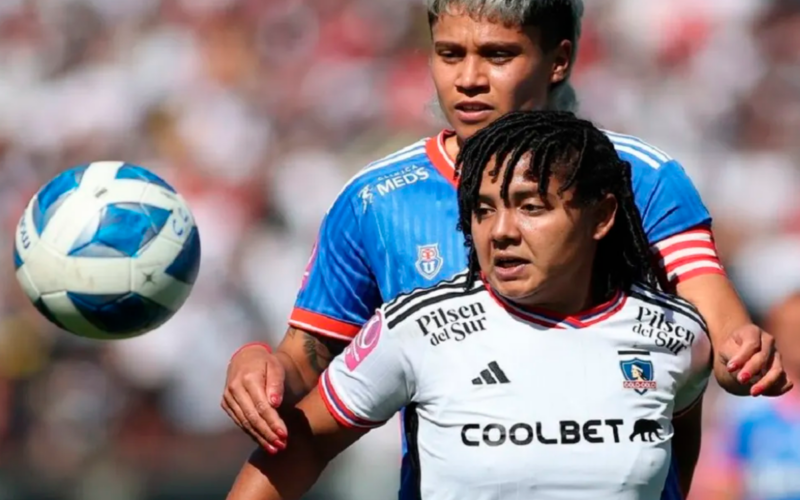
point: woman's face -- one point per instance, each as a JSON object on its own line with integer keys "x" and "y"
{"x": 534, "y": 251}
{"x": 482, "y": 69}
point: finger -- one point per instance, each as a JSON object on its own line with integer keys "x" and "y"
{"x": 780, "y": 386}
{"x": 245, "y": 425}
{"x": 269, "y": 415}
{"x": 255, "y": 422}
{"x": 757, "y": 364}
{"x": 744, "y": 352}
{"x": 774, "y": 382}
{"x": 275, "y": 382}
{"x": 229, "y": 411}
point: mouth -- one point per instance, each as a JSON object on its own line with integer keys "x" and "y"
{"x": 509, "y": 262}
{"x": 473, "y": 112}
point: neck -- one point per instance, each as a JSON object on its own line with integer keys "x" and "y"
{"x": 452, "y": 145}
{"x": 569, "y": 303}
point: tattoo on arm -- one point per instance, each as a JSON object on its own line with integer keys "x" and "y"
{"x": 321, "y": 350}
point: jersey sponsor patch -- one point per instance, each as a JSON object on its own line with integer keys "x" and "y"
{"x": 364, "y": 343}
{"x": 429, "y": 260}
{"x": 637, "y": 371}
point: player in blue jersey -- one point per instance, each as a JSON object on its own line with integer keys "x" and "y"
{"x": 392, "y": 228}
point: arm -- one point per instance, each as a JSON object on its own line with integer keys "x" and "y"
{"x": 260, "y": 384}
{"x": 338, "y": 295}
{"x": 686, "y": 443}
{"x": 678, "y": 227}
{"x": 304, "y": 356}
{"x": 316, "y": 439}
{"x": 688, "y": 410}
{"x": 719, "y": 304}
{"x": 360, "y": 390}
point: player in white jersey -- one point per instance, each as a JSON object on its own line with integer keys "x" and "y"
{"x": 551, "y": 369}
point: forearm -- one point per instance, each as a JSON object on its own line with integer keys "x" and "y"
{"x": 287, "y": 476}
{"x": 686, "y": 445}
{"x": 304, "y": 357}
{"x": 718, "y": 302}
{"x": 722, "y": 309}
{"x": 296, "y": 385}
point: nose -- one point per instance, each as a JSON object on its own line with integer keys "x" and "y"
{"x": 505, "y": 231}
{"x": 472, "y": 78}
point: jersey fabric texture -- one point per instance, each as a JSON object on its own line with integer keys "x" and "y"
{"x": 506, "y": 403}
{"x": 393, "y": 229}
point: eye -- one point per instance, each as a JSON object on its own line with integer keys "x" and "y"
{"x": 482, "y": 212}
{"x": 448, "y": 55}
{"x": 500, "y": 57}
{"x": 531, "y": 208}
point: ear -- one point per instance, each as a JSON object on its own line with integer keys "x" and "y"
{"x": 561, "y": 59}
{"x": 605, "y": 214}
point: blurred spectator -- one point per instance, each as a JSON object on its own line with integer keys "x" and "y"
{"x": 756, "y": 453}
{"x": 258, "y": 111}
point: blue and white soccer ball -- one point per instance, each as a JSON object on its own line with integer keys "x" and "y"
{"x": 107, "y": 250}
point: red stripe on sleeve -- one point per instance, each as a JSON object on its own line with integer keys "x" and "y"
{"x": 688, "y": 255}
{"x": 322, "y": 325}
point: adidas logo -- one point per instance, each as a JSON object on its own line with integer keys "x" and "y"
{"x": 492, "y": 375}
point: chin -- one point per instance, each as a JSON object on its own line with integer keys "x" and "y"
{"x": 517, "y": 291}
{"x": 466, "y": 130}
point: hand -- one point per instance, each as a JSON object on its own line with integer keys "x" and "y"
{"x": 253, "y": 392}
{"x": 750, "y": 351}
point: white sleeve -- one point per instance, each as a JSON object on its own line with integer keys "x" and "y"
{"x": 372, "y": 379}
{"x": 690, "y": 392}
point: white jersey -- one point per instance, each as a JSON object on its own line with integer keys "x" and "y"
{"x": 504, "y": 403}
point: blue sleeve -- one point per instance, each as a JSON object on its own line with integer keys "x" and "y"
{"x": 667, "y": 200}
{"x": 339, "y": 293}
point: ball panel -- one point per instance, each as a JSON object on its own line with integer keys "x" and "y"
{"x": 120, "y": 314}
{"x": 186, "y": 265}
{"x": 68, "y": 317}
{"x": 53, "y": 194}
{"x": 17, "y": 259}
{"x": 99, "y": 175}
{"x": 121, "y": 230}
{"x": 178, "y": 228}
{"x": 24, "y": 279}
{"x": 134, "y": 172}
{"x": 45, "y": 311}
{"x": 53, "y": 272}
{"x": 78, "y": 210}
{"x": 24, "y": 238}
{"x": 149, "y": 278}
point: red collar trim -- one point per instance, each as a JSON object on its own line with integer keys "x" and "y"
{"x": 553, "y": 319}
{"x": 438, "y": 155}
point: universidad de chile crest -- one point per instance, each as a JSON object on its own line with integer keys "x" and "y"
{"x": 429, "y": 260}
{"x": 637, "y": 371}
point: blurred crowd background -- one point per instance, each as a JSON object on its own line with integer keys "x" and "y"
{"x": 258, "y": 111}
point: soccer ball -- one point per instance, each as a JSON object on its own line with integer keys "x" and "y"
{"x": 107, "y": 250}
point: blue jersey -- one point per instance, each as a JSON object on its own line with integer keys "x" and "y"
{"x": 763, "y": 444}
{"x": 393, "y": 229}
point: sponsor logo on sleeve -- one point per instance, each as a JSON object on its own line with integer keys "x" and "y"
{"x": 364, "y": 343}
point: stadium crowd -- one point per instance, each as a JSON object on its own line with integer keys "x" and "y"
{"x": 258, "y": 111}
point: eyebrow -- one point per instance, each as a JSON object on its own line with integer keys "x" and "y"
{"x": 482, "y": 47}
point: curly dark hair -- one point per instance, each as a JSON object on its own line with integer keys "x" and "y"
{"x": 582, "y": 157}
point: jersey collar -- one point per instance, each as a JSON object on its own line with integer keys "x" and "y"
{"x": 438, "y": 156}
{"x": 553, "y": 319}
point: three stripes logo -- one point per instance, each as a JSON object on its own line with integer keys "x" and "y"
{"x": 491, "y": 375}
